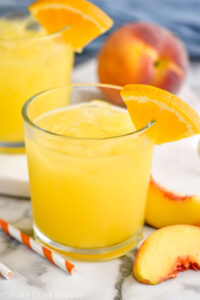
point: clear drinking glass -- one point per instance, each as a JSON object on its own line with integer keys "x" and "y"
{"x": 88, "y": 194}
{"x": 30, "y": 61}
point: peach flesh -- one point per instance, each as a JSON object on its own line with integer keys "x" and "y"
{"x": 167, "y": 252}
{"x": 166, "y": 207}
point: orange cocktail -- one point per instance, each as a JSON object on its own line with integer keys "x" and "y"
{"x": 31, "y": 61}
{"x": 89, "y": 172}
{"x": 37, "y": 51}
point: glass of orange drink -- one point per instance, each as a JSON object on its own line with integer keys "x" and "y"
{"x": 89, "y": 171}
{"x": 37, "y": 51}
{"x": 31, "y": 60}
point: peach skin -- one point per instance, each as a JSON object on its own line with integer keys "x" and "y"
{"x": 143, "y": 53}
{"x": 165, "y": 207}
{"x": 166, "y": 252}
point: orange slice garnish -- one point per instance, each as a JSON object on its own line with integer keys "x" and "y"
{"x": 85, "y": 20}
{"x": 174, "y": 118}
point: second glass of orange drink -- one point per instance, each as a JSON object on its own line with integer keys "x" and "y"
{"x": 31, "y": 60}
{"x": 89, "y": 171}
{"x": 37, "y": 46}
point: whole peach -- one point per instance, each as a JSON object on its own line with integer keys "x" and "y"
{"x": 143, "y": 53}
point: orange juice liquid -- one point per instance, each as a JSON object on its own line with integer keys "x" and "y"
{"x": 30, "y": 62}
{"x": 89, "y": 193}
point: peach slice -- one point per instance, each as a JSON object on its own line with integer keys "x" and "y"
{"x": 166, "y": 207}
{"x": 167, "y": 252}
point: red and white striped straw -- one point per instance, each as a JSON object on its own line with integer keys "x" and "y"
{"x": 5, "y": 271}
{"x": 37, "y": 247}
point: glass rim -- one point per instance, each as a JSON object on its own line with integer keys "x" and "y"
{"x": 102, "y": 85}
{"x": 45, "y": 36}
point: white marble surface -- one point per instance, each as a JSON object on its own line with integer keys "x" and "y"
{"x": 36, "y": 278}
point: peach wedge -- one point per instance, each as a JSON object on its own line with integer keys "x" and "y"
{"x": 166, "y": 207}
{"x": 167, "y": 252}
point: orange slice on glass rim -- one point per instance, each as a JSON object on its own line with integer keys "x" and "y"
{"x": 85, "y": 20}
{"x": 174, "y": 119}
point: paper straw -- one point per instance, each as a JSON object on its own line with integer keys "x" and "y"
{"x": 5, "y": 271}
{"x": 37, "y": 247}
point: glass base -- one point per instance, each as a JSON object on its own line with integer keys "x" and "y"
{"x": 92, "y": 254}
{"x": 7, "y": 147}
